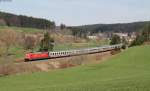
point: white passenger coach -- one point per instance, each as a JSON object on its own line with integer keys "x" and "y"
{"x": 84, "y": 51}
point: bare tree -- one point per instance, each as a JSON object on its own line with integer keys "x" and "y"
{"x": 29, "y": 42}
{"x": 2, "y": 49}
{"x": 8, "y": 37}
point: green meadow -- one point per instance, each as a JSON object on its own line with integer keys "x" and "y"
{"x": 127, "y": 71}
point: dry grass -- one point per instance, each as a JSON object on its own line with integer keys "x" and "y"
{"x": 36, "y": 66}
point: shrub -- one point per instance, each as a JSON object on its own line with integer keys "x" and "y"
{"x": 138, "y": 41}
{"x": 115, "y": 40}
{"x": 29, "y": 42}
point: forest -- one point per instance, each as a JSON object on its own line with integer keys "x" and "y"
{"x": 8, "y": 19}
{"x": 108, "y": 28}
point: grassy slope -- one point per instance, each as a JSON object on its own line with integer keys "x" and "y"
{"x": 128, "y": 71}
{"x": 91, "y": 43}
{"x": 19, "y": 52}
{"x": 20, "y": 29}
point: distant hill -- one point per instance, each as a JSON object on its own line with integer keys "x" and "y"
{"x": 8, "y": 19}
{"x": 120, "y": 27}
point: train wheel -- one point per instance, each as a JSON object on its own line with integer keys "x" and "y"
{"x": 26, "y": 60}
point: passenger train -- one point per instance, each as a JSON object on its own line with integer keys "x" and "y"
{"x": 58, "y": 54}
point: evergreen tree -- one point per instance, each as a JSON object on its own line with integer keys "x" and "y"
{"x": 124, "y": 42}
{"x": 138, "y": 41}
{"x": 143, "y": 37}
{"x": 25, "y": 21}
{"x": 47, "y": 43}
{"x": 62, "y": 26}
{"x": 146, "y": 32}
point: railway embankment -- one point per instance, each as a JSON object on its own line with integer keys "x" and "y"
{"x": 52, "y": 64}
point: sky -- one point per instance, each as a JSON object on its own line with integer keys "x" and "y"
{"x": 81, "y": 12}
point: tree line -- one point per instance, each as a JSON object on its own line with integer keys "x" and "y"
{"x": 142, "y": 37}
{"x": 8, "y": 19}
{"x": 108, "y": 28}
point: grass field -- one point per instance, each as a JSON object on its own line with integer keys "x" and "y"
{"x": 91, "y": 43}
{"x": 127, "y": 71}
{"x": 20, "y": 29}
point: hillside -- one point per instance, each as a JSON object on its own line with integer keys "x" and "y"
{"x": 120, "y": 27}
{"x": 62, "y": 41}
{"x": 127, "y": 71}
{"x": 8, "y": 19}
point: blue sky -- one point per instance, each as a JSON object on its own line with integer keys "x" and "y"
{"x": 81, "y": 12}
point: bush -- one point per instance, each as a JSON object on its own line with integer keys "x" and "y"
{"x": 124, "y": 46}
{"x": 138, "y": 41}
{"x": 115, "y": 40}
{"x": 29, "y": 42}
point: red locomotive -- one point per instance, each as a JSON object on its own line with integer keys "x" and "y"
{"x": 35, "y": 56}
